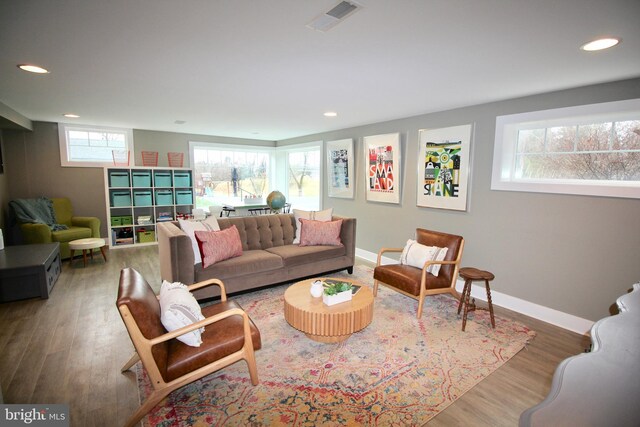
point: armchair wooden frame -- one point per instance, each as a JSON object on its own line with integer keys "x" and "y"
{"x": 143, "y": 352}
{"x": 423, "y": 281}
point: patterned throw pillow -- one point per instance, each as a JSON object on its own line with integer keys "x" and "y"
{"x": 179, "y": 308}
{"x": 217, "y": 246}
{"x": 416, "y": 255}
{"x": 324, "y": 215}
{"x": 314, "y": 233}
{"x": 189, "y": 227}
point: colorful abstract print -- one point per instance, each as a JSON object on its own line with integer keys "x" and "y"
{"x": 442, "y": 169}
{"x": 381, "y": 170}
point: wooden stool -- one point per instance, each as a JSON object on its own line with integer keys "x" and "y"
{"x": 469, "y": 274}
{"x": 84, "y": 245}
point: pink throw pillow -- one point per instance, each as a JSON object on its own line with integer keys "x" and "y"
{"x": 218, "y": 245}
{"x": 315, "y": 233}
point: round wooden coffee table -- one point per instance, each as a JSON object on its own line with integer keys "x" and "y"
{"x": 327, "y": 324}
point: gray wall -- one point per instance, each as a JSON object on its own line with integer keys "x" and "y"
{"x": 576, "y": 254}
{"x": 166, "y": 142}
{"x": 33, "y": 167}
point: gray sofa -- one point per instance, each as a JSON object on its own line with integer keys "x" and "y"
{"x": 269, "y": 255}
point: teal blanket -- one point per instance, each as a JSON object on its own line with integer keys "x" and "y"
{"x": 36, "y": 211}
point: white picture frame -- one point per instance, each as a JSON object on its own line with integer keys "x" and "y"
{"x": 382, "y": 167}
{"x": 443, "y": 167}
{"x": 340, "y": 176}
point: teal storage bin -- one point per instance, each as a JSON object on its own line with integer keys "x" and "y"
{"x": 184, "y": 197}
{"x": 142, "y": 198}
{"x": 162, "y": 178}
{"x": 141, "y": 178}
{"x": 120, "y": 199}
{"x": 164, "y": 197}
{"x": 182, "y": 179}
{"x": 118, "y": 179}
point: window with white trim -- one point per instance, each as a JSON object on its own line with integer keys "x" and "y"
{"x": 229, "y": 174}
{"x": 590, "y": 149}
{"x": 300, "y": 175}
{"x": 94, "y": 146}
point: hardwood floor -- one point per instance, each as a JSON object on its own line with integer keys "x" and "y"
{"x": 70, "y": 348}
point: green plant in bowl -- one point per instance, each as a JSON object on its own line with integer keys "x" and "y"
{"x": 333, "y": 288}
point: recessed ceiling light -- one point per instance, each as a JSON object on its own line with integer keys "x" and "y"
{"x": 330, "y": 114}
{"x": 71, "y": 115}
{"x": 33, "y": 68}
{"x": 604, "y": 43}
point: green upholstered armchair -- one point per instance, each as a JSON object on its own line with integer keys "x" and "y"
{"x": 80, "y": 227}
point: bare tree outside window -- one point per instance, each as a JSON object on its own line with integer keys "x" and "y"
{"x": 600, "y": 151}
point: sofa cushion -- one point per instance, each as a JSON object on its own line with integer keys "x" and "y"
{"x": 293, "y": 255}
{"x": 217, "y": 246}
{"x": 251, "y": 262}
{"x": 71, "y": 233}
{"x": 190, "y": 227}
{"x": 324, "y": 215}
{"x": 216, "y": 342}
{"x": 262, "y": 231}
{"x": 314, "y": 233}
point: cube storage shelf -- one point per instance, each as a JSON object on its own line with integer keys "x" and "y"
{"x": 139, "y": 197}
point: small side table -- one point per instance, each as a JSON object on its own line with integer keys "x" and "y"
{"x": 470, "y": 274}
{"x": 85, "y": 245}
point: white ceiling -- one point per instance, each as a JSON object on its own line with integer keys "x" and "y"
{"x": 252, "y": 69}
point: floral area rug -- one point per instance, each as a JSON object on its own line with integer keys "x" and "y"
{"x": 400, "y": 370}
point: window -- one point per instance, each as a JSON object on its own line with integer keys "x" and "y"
{"x": 93, "y": 146}
{"x": 591, "y": 149}
{"x": 230, "y": 173}
{"x": 303, "y": 176}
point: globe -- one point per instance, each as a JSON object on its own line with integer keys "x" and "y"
{"x": 276, "y": 200}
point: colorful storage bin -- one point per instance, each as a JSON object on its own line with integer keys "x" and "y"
{"x": 141, "y": 178}
{"x": 164, "y": 197}
{"x": 184, "y": 197}
{"x": 118, "y": 179}
{"x": 182, "y": 179}
{"x": 120, "y": 198}
{"x": 142, "y": 198}
{"x": 121, "y": 220}
{"x": 146, "y": 236}
{"x": 162, "y": 178}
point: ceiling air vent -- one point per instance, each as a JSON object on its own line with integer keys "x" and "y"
{"x": 330, "y": 19}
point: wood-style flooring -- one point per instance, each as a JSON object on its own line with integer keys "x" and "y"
{"x": 70, "y": 348}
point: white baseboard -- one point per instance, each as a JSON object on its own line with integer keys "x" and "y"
{"x": 540, "y": 312}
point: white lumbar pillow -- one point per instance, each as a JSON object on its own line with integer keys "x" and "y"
{"x": 416, "y": 255}
{"x": 190, "y": 227}
{"x": 179, "y": 308}
{"x": 324, "y": 216}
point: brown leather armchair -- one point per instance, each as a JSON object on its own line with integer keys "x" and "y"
{"x": 418, "y": 283}
{"x": 229, "y": 336}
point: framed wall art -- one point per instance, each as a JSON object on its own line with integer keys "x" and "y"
{"x": 443, "y": 167}
{"x": 382, "y": 160}
{"x": 340, "y": 168}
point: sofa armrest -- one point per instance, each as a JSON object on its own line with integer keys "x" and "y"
{"x": 35, "y": 233}
{"x": 348, "y": 235}
{"x": 176, "y": 254}
{"x": 91, "y": 222}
